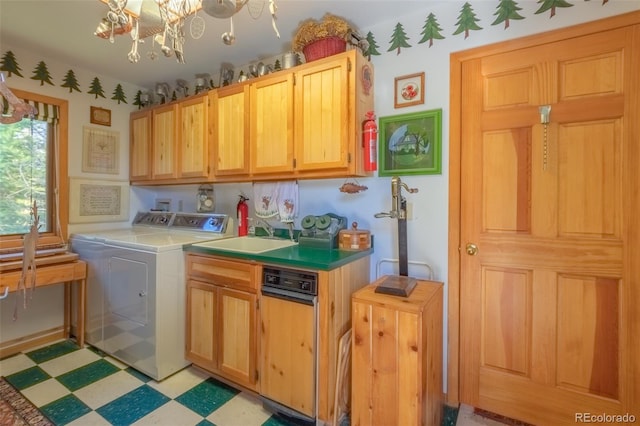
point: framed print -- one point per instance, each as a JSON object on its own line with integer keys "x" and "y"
{"x": 100, "y": 116}
{"x": 409, "y": 90}
{"x": 100, "y": 151}
{"x": 93, "y": 200}
{"x": 410, "y": 144}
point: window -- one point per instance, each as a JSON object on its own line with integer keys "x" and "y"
{"x": 33, "y": 154}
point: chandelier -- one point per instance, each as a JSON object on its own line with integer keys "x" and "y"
{"x": 164, "y": 20}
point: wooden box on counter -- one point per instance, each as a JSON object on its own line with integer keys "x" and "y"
{"x": 397, "y": 356}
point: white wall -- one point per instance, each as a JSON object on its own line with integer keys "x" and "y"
{"x": 427, "y": 228}
{"x": 44, "y": 309}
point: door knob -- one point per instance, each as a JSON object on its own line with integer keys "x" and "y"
{"x": 472, "y": 249}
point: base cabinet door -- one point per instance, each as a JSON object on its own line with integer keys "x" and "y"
{"x": 237, "y": 336}
{"x": 202, "y": 324}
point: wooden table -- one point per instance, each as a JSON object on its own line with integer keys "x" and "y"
{"x": 57, "y": 269}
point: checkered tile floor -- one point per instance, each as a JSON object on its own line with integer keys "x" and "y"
{"x": 74, "y": 386}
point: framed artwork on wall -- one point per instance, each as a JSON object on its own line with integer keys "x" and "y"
{"x": 93, "y": 200}
{"x": 100, "y": 116}
{"x": 409, "y": 90}
{"x": 410, "y": 144}
{"x": 100, "y": 151}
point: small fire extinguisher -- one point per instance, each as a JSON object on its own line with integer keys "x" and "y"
{"x": 242, "y": 211}
{"x": 369, "y": 141}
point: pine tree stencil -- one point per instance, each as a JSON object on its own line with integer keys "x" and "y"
{"x": 41, "y": 73}
{"x": 372, "y": 48}
{"x": 551, "y": 5}
{"x": 431, "y": 30}
{"x": 118, "y": 94}
{"x": 467, "y": 20}
{"x": 507, "y": 10}
{"x": 71, "y": 81}
{"x": 9, "y": 63}
{"x": 398, "y": 39}
{"x": 136, "y": 99}
{"x": 96, "y": 88}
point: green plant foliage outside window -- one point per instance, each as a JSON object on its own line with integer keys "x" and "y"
{"x": 24, "y": 155}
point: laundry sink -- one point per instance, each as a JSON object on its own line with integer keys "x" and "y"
{"x": 247, "y": 244}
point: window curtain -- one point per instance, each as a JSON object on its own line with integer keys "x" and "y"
{"x": 46, "y": 112}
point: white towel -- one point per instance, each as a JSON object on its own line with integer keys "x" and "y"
{"x": 265, "y": 196}
{"x": 287, "y": 200}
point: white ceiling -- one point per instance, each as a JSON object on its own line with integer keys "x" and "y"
{"x": 64, "y": 30}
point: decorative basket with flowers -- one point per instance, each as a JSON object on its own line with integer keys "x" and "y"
{"x": 319, "y": 39}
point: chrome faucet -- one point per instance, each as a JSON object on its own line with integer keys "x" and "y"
{"x": 257, "y": 222}
{"x": 398, "y": 202}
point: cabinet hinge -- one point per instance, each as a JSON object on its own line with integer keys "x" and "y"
{"x": 348, "y": 64}
{"x": 349, "y": 158}
{"x": 294, "y": 163}
{"x": 257, "y": 303}
{"x": 294, "y": 79}
{"x": 257, "y": 375}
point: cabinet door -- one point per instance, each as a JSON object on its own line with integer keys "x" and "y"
{"x": 272, "y": 125}
{"x": 237, "y": 336}
{"x": 164, "y": 142}
{"x": 193, "y": 152}
{"x": 287, "y": 353}
{"x": 230, "y": 124}
{"x": 140, "y": 146}
{"x": 202, "y": 324}
{"x": 322, "y": 116}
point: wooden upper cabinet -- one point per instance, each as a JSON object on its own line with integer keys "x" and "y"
{"x": 332, "y": 97}
{"x": 271, "y": 124}
{"x": 229, "y": 118}
{"x": 322, "y": 116}
{"x": 305, "y": 122}
{"x": 140, "y": 145}
{"x": 164, "y": 164}
{"x": 193, "y": 137}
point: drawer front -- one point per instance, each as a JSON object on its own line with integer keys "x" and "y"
{"x": 223, "y": 272}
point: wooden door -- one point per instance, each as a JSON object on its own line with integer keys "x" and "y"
{"x": 322, "y": 116}
{"x": 237, "y": 336}
{"x": 164, "y": 164}
{"x": 140, "y": 145}
{"x": 272, "y": 124}
{"x": 230, "y": 126}
{"x": 202, "y": 324}
{"x": 287, "y": 353}
{"x": 548, "y": 229}
{"x": 193, "y": 152}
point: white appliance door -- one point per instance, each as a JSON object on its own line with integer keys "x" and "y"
{"x": 130, "y": 327}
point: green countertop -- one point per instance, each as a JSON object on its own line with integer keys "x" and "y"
{"x": 294, "y": 256}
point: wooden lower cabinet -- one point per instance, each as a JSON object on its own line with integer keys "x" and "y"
{"x": 221, "y": 318}
{"x": 227, "y": 324}
{"x": 397, "y": 357}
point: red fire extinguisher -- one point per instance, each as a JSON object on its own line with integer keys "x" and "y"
{"x": 369, "y": 140}
{"x": 242, "y": 211}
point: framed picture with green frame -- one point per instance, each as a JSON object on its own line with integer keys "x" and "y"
{"x": 410, "y": 144}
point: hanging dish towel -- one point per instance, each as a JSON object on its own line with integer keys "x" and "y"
{"x": 265, "y": 196}
{"x": 287, "y": 201}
